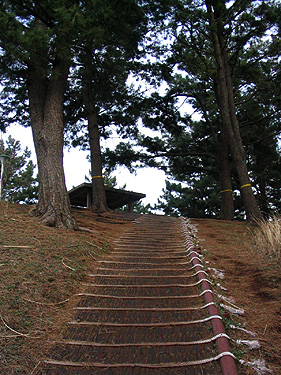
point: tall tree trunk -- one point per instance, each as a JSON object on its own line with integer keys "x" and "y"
{"x": 222, "y": 160}
{"x": 99, "y": 203}
{"x": 227, "y": 205}
{"x": 46, "y": 114}
{"x": 225, "y": 98}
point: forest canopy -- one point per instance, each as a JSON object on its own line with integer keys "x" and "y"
{"x": 66, "y": 70}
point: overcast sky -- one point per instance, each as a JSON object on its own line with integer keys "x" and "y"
{"x": 149, "y": 181}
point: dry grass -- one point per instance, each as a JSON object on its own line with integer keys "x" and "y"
{"x": 267, "y": 239}
{"x": 41, "y": 271}
{"x": 253, "y": 279}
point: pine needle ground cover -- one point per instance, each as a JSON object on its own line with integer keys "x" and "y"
{"x": 41, "y": 271}
{"x": 252, "y": 278}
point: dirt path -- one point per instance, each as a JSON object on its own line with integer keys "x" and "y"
{"x": 141, "y": 313}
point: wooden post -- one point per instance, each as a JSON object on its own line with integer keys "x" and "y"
{"x": 130, "y": 205}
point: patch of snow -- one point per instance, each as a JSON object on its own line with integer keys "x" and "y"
{"x": 232, "y": 326}
{"x": 226, "y": 299}
{"x": 232, "y": 310}
{"x": 252, "y": 344}
{"x": 218, "y": 274}
{"x": 221, "y": 287}
{"x": 259, "y": 366}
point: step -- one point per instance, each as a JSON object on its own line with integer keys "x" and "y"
{"x": 106, "y": 333}
{"x": 163, "y": 272}
{"x": 109, "y": 300}
{"x": 143, "y": 280}
{"x": 141, "y": 315}
{"x": 87, "y": 353}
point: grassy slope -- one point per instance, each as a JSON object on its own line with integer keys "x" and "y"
{"x": 253, "y": 281}
{"x": 42, "y": 269}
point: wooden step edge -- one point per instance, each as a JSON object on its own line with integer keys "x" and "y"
{"x": 138, "y": 365}
{"x": 148, "y": 285}
{"x": 146, "y": 309}
{"x": 142, "y": 325}
{"x": 149, "y": 269}
{"x": 110, "y": 296}
{"x": 146, "y": 276}
{"x": 145, "y": 263}
{"x": 140, "y": 344}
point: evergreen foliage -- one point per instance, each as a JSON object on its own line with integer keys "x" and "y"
{"x": 19, "y": 184}
{"x": 251, "y": 40}
{"x": 40, "y": 42}
{"x": 86, "y": 51}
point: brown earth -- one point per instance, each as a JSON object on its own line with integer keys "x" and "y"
{"x": 254, "y": 283}
{"x": 42, "y": 269}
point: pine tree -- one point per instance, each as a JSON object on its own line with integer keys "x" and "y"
{"x": 36, "y": 42}
{"x": 209, "y": 45}
{"x": 19, "y": 185}
{"x": 39, "y": 43}
{"x": 100, "y": 89}
{"x": 101, "y": 102}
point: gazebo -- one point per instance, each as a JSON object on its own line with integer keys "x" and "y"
{"x": 81, "y": 196}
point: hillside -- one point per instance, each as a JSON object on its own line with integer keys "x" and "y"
{"x": 252, "y": 282}
{"x": 42, "y": 269}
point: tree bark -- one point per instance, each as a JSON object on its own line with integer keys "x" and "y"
{"x": 227, "y": 204}
{"x": 223, "y": 166}
{"x": 99, "y": 203}
{"x": 46, "y": 95}
{"x": 225, "y": 98}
